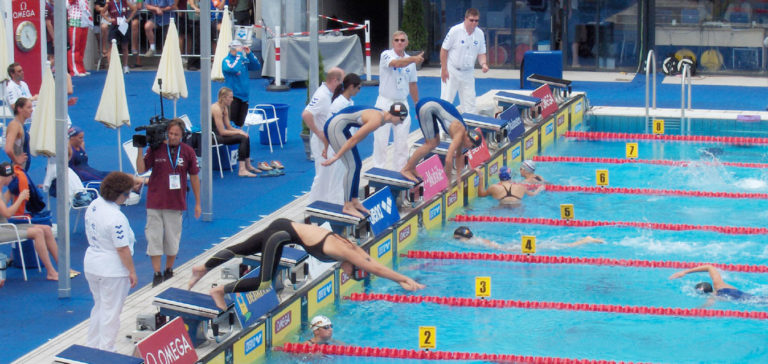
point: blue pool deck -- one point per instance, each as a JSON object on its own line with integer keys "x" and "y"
{"x": 35, "y": 318}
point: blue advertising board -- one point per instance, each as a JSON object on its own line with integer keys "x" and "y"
{"x": 249, "y": 307}
{"x": 383, "y": 210}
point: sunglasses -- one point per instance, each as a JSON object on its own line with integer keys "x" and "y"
{"x": 326, "y": 327}
{"x": 399, "y": 40}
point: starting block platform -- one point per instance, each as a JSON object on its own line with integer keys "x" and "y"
{"x": 320, "y": 212}
{"x": 78, "y": 354}
{"x": 561, "y": 88}
{"x": 530, "y": 107}
{"x": 193, "y": 307}
{"x": 441, "y": 148}
{"x": 292, "y": 260}
{"x": 380, "y": 178}
{"x": 496, "y": 130}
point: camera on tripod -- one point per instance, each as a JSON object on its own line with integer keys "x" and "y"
{"x": 155, "y": 133}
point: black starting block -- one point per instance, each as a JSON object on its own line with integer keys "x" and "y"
{"x": 320, "y": 212}
{"x": 561, "y": 89}
{"x": 78, "y": 354}
{"x": 291, "y": 262}
{"x": 196, "y": 309}
{"x": 530, "y": 107}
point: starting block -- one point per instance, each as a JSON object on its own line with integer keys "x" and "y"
{"x": 379, "y": 178}
{"x": 196, "y": 309}
{"x": 291, "y": 263}
{"x": 441, "y": 149}
{"x": 561, "y": 88}
{"x": 320, "y": 212}
{"x": 530, "y": 107}
{"x": 78, "y": 354}
{"x": 496, "y": 130}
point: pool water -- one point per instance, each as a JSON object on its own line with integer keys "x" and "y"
{"x": 590, "y": 335}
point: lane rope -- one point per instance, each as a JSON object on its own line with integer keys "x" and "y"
{"x": 364, "y": 351}
{"x": 588, "y": 135}
{"x": 654, "y": 191}
{"x": 736, "y": 230}
{"x": 562, "y": 306}
{"x": 662, "y": 162}
{"x": 544, "y": 259}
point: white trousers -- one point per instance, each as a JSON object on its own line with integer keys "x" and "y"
{"x": 462, "y": 82}
{"x": 325, "y": 185}
{"x": 109, "y": 294}
{"x": 381, "y": 139}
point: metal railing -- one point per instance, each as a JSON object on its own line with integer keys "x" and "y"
{"x": 685, "y": 124}
{"x": 650, "y": 62}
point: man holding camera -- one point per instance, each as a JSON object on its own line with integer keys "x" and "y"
{"x": 170, "y": 163}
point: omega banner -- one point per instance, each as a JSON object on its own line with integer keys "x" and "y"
{"x": 27, "y": 39}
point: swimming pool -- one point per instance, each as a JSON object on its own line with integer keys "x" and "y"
{"x": 579, "y": 334}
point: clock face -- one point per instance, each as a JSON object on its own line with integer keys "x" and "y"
{"x": 26, "y": 36}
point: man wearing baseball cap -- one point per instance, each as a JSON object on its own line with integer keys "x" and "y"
{"x": 433, "y": 112}
{"x": 322, "y": 331}
{"x": 235, "y": 67}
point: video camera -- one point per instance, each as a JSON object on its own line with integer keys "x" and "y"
{"x": 155, "y": 133}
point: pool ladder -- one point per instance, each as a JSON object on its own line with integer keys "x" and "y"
{"x": 650, "y": 87}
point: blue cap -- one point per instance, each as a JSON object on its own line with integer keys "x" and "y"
{"x": 505, "y": 174}
{"x": 74, "y": 131}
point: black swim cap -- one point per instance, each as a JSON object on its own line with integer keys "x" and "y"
{"x": 704, "y": 287}
{"x": 475, "y": 137}
{"x": 398, "y": 109}
{"x": 462, "y": 231}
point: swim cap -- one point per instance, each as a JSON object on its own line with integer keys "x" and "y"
{"x": 504, "y": 174}
{"x": 462, "y": 231}
{"x": 319, "y": 321}
{"x": 74, "y": 131}
{"x": 704, "y": 287}
{"x": 475, "y": 137}
{"x": 528, "y": 165}
{"x": 6, "y": 169}
{"x": 398, "y": 109}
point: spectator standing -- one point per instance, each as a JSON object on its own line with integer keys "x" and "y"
{"x": 235, "y": 67}
{"x": 79, "y": 20}
{"x": 167, "y": 196}
{"x": 193, "y": 28}
{"x": 108, "y": 260}
{"x": 315, "y": 115}
{"x": 397, "y": 79}
{"x": 16, "y": 86}
{"x": 99, "y": 7}
{"x": 49, "y": 28}
{"x": 161, "y": 11}
{"x": 464, "y": 43}
{"x": 119, "y": 14}
{"x": 243, "y": 12}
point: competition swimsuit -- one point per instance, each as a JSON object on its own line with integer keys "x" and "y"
{"x": 269, "y": 242}
{"x": 509, "y": 194}
{"x": 733, "y": 293}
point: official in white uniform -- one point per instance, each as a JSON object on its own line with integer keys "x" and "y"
{"x": 108, "y": 260}
{"x": 464, "y": 43}
{"x": 315, "y": 115}
{"x": 342, "y": 98}
{"x": 397, "y": 78}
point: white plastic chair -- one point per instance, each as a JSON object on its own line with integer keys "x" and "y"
{"x": 19, "y": 241}
{"x": 76, "y": 187}
{"x": 132, "y": 152}
{"x": 215, "y": 146}
{"x": 257, "y": 115}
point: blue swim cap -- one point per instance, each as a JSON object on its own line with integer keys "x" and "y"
{"x": 505, "y": 174}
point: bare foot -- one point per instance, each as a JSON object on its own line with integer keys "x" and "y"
{"x": 411, "y": 175}
{"x": 217, "y": 293}
{"x": 52, "y": 276}
{"x": 198, "y": 272}
{"x": 359, "y": 206}
{"x": 350, "y": 209}
{"x": 246, "y": 174}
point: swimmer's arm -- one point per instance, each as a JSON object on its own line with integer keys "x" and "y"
{"x": 714, "y": 274}
{"x": 535, "y": 192}
{"x": 356, "y": 256}
{"x": 481, "y": 190}
{"x": 709, "y": 302}
{"x": 586, "y": 240}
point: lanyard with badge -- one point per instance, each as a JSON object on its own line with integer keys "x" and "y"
{"x": 174, "y": 179}
{"x": 122, "y": 24}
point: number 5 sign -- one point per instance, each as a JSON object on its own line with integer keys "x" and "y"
{"x": 427, "y": 337}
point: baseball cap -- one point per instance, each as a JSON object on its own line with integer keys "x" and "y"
{"x": 74, "y": 131}
{"x": 6, "y": 169}
{"x": 236, "y": 43}
{"x": 475, "y": 137}
{"x": 319, "y": 321}
{"x": 398, "y": 109}
{"x": 528, "y": 165}
{"x": 504, "y": 174}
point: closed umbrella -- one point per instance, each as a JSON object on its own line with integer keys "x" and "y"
{"x": 4, "y": 62}
{"x": 171, "y": 69}
{"x": 42, "y": 133}
{"x": 113, "y": 107}
{"x": 222, "y": 47}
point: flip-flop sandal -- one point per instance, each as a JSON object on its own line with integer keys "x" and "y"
{"x": 264, "y": 166}
{"x": 249, "y": 175}
{"x": 73, "y": 274}
{"x": 277, "y": 164}
{"x": 272, "y": 173}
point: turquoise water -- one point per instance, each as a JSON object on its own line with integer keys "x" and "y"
{"x": 592, "y": 335}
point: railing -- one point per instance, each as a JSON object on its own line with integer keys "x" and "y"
{"x": 685, "y": 124}
{"x": 651, "y": 57}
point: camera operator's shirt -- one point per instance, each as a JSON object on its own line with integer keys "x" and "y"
{"x": 159, "y": 194}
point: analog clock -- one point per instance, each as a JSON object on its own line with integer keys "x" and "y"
{"x": 26, "y": 36}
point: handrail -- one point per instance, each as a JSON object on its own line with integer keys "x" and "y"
{"x": 647, "y": 77}
{"x": 686, "y": 76}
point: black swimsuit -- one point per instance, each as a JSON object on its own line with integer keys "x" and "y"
{"x": 509, "y": 193}
{"x": 270, "y": 243}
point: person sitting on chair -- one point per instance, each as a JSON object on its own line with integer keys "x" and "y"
{"x": 320, "y": 243}
{"x": 78, "y": 159}
{"x": 229, "y": 135}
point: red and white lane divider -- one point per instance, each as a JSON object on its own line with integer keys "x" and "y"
{"x": 562, "y": 306}
{"x": 654, "y": 191}
{"x": 590, "y": 223}
{"x": 588, "y": 135}
{"x": 662, "y": 162}
{"x": 544, "y": 259}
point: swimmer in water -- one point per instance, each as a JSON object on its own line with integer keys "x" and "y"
{"x": 506, "y": 192}
{"x": 720, "y": 289}
{"x": 527, "y": 169}
{"x": 464, "y": 234}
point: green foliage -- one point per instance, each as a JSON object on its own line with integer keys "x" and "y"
{"x": 413, "y": 25}
{"x": 321, "y": 77}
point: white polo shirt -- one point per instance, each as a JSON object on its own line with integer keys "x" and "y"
{"x": 320, "y": 105}
{"x": 340, "y": 103}
{"x": 107, "y": 229}
{"x": 394, "y": 81}
{"x": 15, "y": 90}
{"x": 463, "y": 47}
